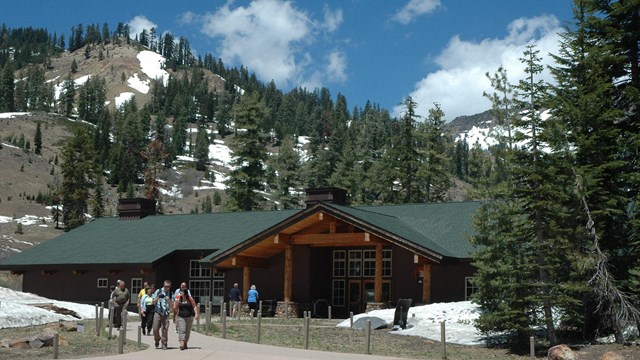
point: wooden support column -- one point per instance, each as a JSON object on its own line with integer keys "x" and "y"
{"x": 246, "y": 281}
{"x": 377, "y": 295}
{"x": 426, "y": 283}
{"x": 288, "y": 272}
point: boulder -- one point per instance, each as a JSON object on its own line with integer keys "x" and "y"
{"x": 610, "y": 355}
{"x": 376, "y": 323}
{"x": 561, "y": 352}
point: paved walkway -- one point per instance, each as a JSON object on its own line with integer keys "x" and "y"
{"x": 211, "y": 347}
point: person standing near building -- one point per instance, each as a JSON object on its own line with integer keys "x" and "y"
{"x": 121, "y": 298}
{"x": 252, "y": 300}
{"x": 235, "y": 298}
{"x": 184, "y": 312}
{"x": 147, "y": 309}
{"x": 163, "y": 305}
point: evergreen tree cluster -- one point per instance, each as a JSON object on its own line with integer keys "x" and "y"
{"x": 558, "y": 242}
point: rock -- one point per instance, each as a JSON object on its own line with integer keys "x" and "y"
{"x": 610, "y": 355}
{"x": 376, "y": 323}
{"x": 19, "y": 344}
{"x": 561, "y": 352}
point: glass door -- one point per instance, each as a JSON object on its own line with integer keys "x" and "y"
{"x": 355, "y": 296}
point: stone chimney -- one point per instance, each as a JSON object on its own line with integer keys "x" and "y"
{"x": 136, "y": 208}
{"x": 330, "y": 195}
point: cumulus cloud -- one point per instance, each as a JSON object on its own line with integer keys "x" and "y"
{"x": 266, "y": 36}
{"x": 413, "y": 9}
{"x": 187, "y": 18}
{"x": 337, "y": 66}
{"x": 460, "y": 80}
{"x": 332, "y": 19}
{"x": 138, "y": 23}
{"x": 276, "y": 40}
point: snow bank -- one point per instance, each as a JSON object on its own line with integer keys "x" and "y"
{"x": 152, "y": 65}
{"x": 136, "y": 83}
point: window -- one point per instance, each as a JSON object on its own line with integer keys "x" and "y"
{"x": 386, "y": 262}
{"x": 339, "y": 263}
{"x": 369, "y": 263}
{"x": 196, "y": 270}
{"x": 103, "y": 282}
{"x": 200, "y": 290}
{"x": 355, "y": 263}
{"x": 470, "y": 287}
{"x": 136, "y": 286}
{"x": 338, "y": 293}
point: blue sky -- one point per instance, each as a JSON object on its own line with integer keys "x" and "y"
{"x": 378, "y": 50}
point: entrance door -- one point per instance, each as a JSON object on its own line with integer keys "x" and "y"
{"x": 355, "y": 296}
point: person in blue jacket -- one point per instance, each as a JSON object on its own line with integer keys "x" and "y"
{"x": 252, "y": 300}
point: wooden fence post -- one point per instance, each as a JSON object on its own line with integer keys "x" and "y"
{"x": 443, "y": 340}
{"x": 56, "y": 344}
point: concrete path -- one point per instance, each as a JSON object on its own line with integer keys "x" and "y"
{"x": 211, "y": 347}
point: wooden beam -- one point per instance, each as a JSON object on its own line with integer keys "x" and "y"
{"x": 332, "y": 227}
{"x": 426, "y": 283}
{"x": 319, "y": 239}
{"x": 377, "y": 296}
{"x": 246, "y": 281}
{"x": 288, "y": 272}
{"x": 249, "y": 261}
{"x": 281, "y": 238}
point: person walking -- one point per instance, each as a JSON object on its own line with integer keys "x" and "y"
{"x": 184, "y": 312}
{"x": 121, "y": 298}
{"x": 252, "y": 300}
{"x": 147, "y": 309}
{"x": 141, "y": 307}
{"x": 235, "y": 298}
{"x": 163, "y": 305}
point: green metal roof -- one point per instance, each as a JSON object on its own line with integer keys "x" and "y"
{"x": 443, "y": 228}
{"x": 115, "y": 241}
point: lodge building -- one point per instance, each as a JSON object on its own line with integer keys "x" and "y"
{"x": 352, "y": 258}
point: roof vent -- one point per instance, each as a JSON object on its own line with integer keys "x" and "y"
{"x": 136, "y": 208}
{"x": 331, "y": 195}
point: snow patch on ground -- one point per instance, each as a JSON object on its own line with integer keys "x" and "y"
{"x": 11, "y": 115}
{"x": 152, "y": 65}
{"x": 123, "y": 97}
{"x": 424, "y": 321}
{"x": 136, "y": 83}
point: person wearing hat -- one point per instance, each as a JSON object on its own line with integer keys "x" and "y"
{"x": 235, "y": 298}
{"x": 252, "y": 300}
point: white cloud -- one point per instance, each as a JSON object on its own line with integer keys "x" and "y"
{"x": 187, "y": 18}
{"x": 138, "y": 23}
{"x": 332, "y": 19}
{"x": 337, "y": 66}
{"x": 460, "y": 80}
{"x": 413, "y": 9}
{"x": 267, "y": 36}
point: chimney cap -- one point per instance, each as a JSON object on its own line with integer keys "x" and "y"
{"x": 326, "y": 194}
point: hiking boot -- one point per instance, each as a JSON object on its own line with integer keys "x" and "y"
{"x": 157, "y": 343}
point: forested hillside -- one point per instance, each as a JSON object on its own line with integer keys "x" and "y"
{"x": 557, "y": 238}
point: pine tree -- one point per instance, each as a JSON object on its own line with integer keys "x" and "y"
{"x": 7, "y": 87}
{"x": 432, "y": 174}
{"x": 201, "y": 152}
{"x": 245, "y": 182}
{"x": 156, "y": 157}
{"x": 78, "y": 178}
{"x": 37, "y": 140}
{"x": 529, "y": 225}
{"x": 594, "y": 76}
{"x": 67, "y": 98}
{"x": 287, "y": 165}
